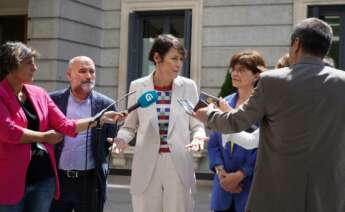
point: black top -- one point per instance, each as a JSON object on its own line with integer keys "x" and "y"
{"x": 40, "y": 166}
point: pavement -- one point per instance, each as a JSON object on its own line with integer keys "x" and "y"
{"x": 119, "y": 199}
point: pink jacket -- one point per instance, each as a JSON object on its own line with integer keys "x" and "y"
{"x": 14, "y": 156}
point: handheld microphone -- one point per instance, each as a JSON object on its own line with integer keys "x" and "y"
{"x": 145, "y": 100}
{"x": 100, "y": 114}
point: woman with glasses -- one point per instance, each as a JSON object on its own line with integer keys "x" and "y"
{"x": 233, "y": 164}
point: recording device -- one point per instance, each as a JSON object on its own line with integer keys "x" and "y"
{"x": 100, "y": 114}
{"x": 145, "y": 100}
{"x": 208, "y": 98}
{"x": 204, "y": 100}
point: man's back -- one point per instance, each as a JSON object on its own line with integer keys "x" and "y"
{"x": 301, "y": 162}
{"x": 301, "y": 159}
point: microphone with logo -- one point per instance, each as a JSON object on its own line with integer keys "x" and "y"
{"x": 145, "y": 100}
{"x": 98, "y": 116}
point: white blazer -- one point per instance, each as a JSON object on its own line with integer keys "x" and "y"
{"x": 144, "y": 123}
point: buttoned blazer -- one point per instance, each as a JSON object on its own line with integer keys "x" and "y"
{"x": 143, "y": 123}
{"x": 300, "y": 163}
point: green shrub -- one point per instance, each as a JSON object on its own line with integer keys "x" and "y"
{"x": 227, "y": 87}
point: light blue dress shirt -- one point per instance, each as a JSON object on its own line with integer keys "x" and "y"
{"x": 73, "y": 155}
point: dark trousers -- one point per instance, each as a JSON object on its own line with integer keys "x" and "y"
{"x": 231, "y": 209}
{"x": 78, "y": 193}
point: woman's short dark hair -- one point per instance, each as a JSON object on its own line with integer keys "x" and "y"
{"x": 163, "y": 43}
{"x": 315, "y": 36}
{"x": 12, "y": 54}
{"x": 251, "y": 59}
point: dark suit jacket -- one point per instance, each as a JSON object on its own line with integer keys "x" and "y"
{"x": 300, "y": 164}
{"x": 99, "y": 150}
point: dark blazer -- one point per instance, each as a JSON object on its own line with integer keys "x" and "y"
{"x": 238, "y": 159}
{"x": 99, "y": 150}
{"x": 300, "y": 164}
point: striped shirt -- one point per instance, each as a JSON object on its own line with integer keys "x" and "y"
{"x": 163, "y": 112}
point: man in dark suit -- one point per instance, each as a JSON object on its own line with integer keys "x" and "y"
{"x": 82, "y": 160}
{"x": 300, "y": 163}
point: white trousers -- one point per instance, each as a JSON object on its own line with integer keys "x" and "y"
{"x": 165, "y": 192}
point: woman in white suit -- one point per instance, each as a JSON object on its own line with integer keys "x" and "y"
{"x": 162, "y": 169}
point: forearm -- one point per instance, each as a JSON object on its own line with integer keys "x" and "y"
{"x": 126, "y": 134}
{"x": 83, "y": 124}
{"x": 218, "y": 121}
{"x": 30, "y": 136}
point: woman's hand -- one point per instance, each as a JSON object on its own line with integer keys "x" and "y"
{"x": 51, "y": 137}
{"x": 197, "y": 144}
{"x": 231, "y": 182}
{"x": 118, "y": 145}
{"x": 111, "y": 117}
{"x": 224, "y": 106}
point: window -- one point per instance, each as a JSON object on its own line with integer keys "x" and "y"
{"x": 13, "y": 28}
{"x": 335, "y": 16}
{"x": 144, "y": 27}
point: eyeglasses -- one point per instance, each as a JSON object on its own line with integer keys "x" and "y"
{"x": 242, "y": 69}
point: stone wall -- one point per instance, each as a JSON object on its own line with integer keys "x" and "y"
{"x": 62, "y": 29}
{"x": 230, "y": 26}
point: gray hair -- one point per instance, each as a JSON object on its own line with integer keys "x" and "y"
{"x": 315, "y": 36}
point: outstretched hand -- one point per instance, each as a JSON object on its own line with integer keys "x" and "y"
{"x": 197, "y": 144}
{"x": 118, "y": 145}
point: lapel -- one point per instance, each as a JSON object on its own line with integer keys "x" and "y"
{"x": 228, "y": 146}
{"x": 95, "y": 108}
{"x": 12, "y": 101}
{"x": 35, "y": 103}
{"x": 63, "y": 100}
{"x": 96, "y": 105}
{"x": 152, "y": 110}
{"x": 177, "y": 92}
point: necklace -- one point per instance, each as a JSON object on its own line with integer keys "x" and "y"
{"x": 21, "y": 96}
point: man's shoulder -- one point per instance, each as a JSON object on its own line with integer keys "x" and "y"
{"x": 276, "y": 73}
{"x": 99, "y": 96}
{"x": 57, "y": 93}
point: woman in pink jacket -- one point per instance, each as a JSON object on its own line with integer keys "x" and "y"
{"x": 30, "y": 123}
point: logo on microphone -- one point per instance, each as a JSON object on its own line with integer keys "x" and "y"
{"x": 149, "y": 97}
